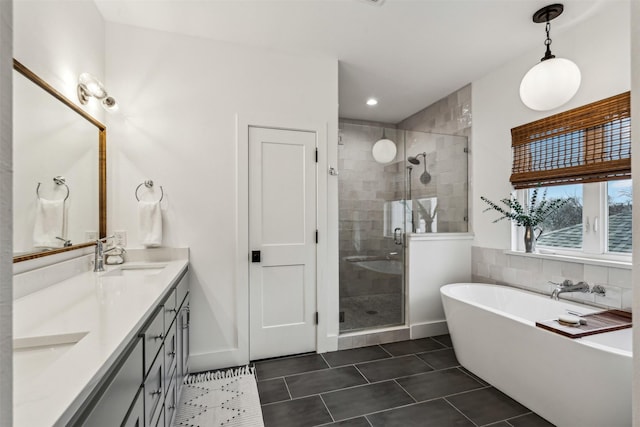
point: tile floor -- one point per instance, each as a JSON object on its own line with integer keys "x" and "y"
{"x": 404, "y": 384}
{"x": 368, "y": 311}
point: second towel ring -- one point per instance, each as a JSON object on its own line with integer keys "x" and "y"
{"x": 59, "y": 180}
{"x": 149, "y": 184}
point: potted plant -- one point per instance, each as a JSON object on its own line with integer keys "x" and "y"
{"x": 529, "y": 217}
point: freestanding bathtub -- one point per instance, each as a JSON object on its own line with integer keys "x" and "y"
{"x": 570, "y": 382}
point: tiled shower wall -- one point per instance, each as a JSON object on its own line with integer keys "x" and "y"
{"x": 363, "y": 187}
{"x": 498, "y": 266}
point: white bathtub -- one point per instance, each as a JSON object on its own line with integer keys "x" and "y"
{"x": 570, "y": 382}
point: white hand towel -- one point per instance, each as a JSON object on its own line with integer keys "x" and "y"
{"x": 150, "y": 222}
{"x": 49, "y": 223}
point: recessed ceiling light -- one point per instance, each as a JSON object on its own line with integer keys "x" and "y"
{"x": 372, "y": 101}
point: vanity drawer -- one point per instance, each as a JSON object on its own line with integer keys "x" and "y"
{"x": 182, "y": 289}
{"x": 154, "y": 392}
{"x": 171, "y": 401}
{"x": 121, "y": 391}
{"x": 153, "y": 336}
{"x": 170, "y": 310}
{"x": 135, "y": 418}
{"x": 170, "y": 353}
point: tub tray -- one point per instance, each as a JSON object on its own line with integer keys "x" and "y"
{"x": 597, "y": 323}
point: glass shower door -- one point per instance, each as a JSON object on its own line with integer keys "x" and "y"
{"x": 372, "y": 221}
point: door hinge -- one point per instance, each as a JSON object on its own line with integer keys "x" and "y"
{"x": 317, "y": 318}
{"x": 341, "y": 317}
{"x": 316, "y": 236}
{"x": 316, "y": 155}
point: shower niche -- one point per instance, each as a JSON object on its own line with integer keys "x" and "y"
{"x": 424, "y": 189}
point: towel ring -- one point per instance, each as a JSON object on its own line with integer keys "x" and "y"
{"x": 59, "y": 180}
{"x": 149, "y": 184}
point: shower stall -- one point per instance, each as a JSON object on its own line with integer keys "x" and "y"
{"x": 424, "y": 189}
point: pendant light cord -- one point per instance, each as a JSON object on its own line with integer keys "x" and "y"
{"x": 547, "y": 43}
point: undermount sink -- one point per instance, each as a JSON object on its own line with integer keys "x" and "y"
{"x": 33, "y": 355}
{"x": 135, "y": 270}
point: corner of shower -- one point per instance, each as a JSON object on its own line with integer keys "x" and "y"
{"x": 418, "y": 190}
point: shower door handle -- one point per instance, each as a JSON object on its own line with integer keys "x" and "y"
{"x": 397, "y": 236}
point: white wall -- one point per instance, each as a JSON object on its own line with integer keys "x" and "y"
{"x": 6, "y": 298}
{"x": 184, "y": 102}
{"x": 635, "y": 132}
{"x": 599, "y": 46}
{"x": 58, "y": 40}
{"x": 434, "y": 260}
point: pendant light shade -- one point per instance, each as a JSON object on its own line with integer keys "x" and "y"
{"x": 550, "y": 84}
{"x": 384, "y": 150}
{"x": 554, "y": 81}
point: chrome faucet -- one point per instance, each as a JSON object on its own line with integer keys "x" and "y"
{"x": 98, "y": 258}
{"x": 568, "y": 286}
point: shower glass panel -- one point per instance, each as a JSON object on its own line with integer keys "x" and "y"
{"x": 423, "y": 190}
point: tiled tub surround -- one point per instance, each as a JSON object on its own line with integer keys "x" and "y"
{"x": 534, "y": 273}
{"x": 104, "y": 313}
{"x": 409, "y": 383}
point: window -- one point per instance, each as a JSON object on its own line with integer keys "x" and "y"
{"x": 584, "y": 156}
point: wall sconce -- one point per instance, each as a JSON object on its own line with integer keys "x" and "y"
{"x": 89, "y": 86}
{"x": 554, "y": 81}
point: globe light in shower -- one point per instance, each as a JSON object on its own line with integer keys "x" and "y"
{"x": 554, "y": 81}
{"x": 384, "y": 150}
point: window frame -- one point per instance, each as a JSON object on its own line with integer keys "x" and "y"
{"x": 595, "y": 213}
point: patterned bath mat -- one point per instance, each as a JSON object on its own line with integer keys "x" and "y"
{"x": 222, "y": 399}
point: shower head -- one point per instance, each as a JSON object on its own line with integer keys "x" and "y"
{"x": 415, "y": 160}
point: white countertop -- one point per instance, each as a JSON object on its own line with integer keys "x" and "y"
{"x": 110, "y": 310}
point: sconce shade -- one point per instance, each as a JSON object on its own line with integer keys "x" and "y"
{"x": 384, "y": 151}
{"x": 92, "y": 85}
{"x": 550, "y": 84}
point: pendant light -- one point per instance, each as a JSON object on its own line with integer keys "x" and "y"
{"x": 554, "y": 81}
{"x": 384, "y": 150}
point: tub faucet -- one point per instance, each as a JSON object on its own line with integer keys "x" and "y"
{"x": 98, "y": 258}
{"x": 568, "y": 286}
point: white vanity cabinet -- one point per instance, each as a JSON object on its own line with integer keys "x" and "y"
{"x": 143, "y": 389}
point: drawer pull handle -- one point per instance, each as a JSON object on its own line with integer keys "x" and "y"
{"x": 172, "y": 354}
{"x": 172, "y": 310}
{"x": 157, "y": 392}
{"x": 158, "y": 337}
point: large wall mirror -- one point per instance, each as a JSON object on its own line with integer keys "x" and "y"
{"x": 59, "y": 178}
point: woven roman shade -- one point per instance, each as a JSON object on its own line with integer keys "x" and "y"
{"x": 587, "y": 144}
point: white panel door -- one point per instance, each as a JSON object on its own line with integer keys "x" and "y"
{"x": 282, "y": 226}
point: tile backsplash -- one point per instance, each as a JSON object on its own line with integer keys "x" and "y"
{"x": 499, "y": 267}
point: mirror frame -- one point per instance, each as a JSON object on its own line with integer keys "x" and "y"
{"x": 102, "y": 162}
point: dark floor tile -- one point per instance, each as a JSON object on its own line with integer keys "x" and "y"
{"x": 365, "y": 399}
{"x": 272, "y": 391}
{"x": 309, "y": 411}
{"x": 355, "y": 355}
{"x": 322, "y": 381}
{"x": 438, "y": 384}
{"x": 275, "y": 368}
{"x": 353, "y": 422}
{"x": 440, "y": 359}
{"x": 529, "y": 420}
{"x": 487, "y": 405}
{"x": 436, "y": 413}
{"x": 474, "y": 376}
{"x": 444, "y": 340}
{"x": 393, "y": 368}
{"x": 499, "y": 424}
{"x": 412, "y": 346}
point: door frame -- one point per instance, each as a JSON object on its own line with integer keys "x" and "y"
{"x": 324, "y": 342}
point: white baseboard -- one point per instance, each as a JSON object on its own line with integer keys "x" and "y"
{"x": 429, "y": 329}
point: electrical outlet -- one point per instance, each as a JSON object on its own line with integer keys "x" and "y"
{"x": 120, "y": 238}
{"x": 90, "y": 235}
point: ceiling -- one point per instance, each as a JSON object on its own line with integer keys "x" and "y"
{"x": 406, "y": 53}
